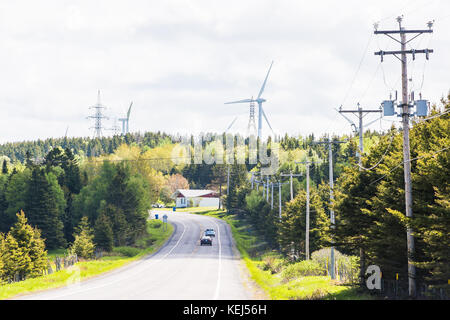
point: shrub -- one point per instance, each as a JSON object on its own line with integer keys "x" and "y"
{"x": 347, "y": 267}
{"x": 127, "y": 251}
{"x": 155, "y": 223}
{"x": 83, "y": 246}
{"x": 273, "y": 263}
{"x": 302, "y": 269}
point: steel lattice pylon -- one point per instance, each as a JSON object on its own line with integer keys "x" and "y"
{"x": 98, "y": 116}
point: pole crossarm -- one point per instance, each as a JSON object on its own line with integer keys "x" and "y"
{"x": 357, "y": 111}
{"x": 413, "y": 51}
{"x": 402, "y": 31}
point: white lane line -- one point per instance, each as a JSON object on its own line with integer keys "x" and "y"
{"x": 219, "y": 272}
{"x": 127, "y": 277}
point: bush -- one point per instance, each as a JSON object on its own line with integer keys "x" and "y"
{"x": 83, "y": 246}
{"x": 347, "y": 267}
{"x": 155, "y": 223}
{"x": 273, "y": 263}
{"x": 127, "y": 251}
{"x": 302, "y": 269}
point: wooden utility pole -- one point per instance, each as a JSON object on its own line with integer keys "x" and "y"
{"x": 271, "y": 199}
{"x": 277, "y": 184}
{"x": 291, "y": 175}
{"x": 307, "y": 163}
{"x": 405, "y": 123}
{"x": 329, "y": 142}
{"x": 360, "y": 112}
{"x": 228, "y": 180}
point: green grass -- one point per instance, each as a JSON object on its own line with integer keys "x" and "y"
{"x": 277, "y": 288}
{"x": 155, "y": 238}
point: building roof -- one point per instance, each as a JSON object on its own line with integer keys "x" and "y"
{"x": 192, "y": 193}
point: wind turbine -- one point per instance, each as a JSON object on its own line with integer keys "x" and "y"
{"x": 126, "y": 120}
{"x": 260, "y": 101}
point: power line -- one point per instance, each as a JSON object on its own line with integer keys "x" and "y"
{"x": 382, "y": 157}
{"x": 357, "y": 70}
{"x": 414, "y": 159}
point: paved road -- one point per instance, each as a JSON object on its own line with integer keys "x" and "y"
{"x": 181, "y": 269}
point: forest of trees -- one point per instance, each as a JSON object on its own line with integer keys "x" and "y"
{"x": 106, "y": 186}
{"x": 369, "y": 203}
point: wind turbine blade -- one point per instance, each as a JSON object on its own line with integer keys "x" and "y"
{"x": 129, "y": 110}
{"x": 231, "y": 124}
{"x": 265, "y": 117}
{"x": 240, "y": 101}
{"x": 264, "y": 83}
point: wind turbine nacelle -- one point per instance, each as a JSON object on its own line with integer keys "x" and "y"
{"x": 260, "y": 100}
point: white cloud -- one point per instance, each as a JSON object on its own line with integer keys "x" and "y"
{"x": 179, "y": 61}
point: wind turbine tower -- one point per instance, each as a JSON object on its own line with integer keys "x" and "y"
{"x": 260, "y": 101}
{"x": 98, "y": 116}
{"x": 125, "y": 121}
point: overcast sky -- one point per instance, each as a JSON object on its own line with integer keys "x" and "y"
{"x": 179, "y": 61}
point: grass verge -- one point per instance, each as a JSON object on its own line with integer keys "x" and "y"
{"x": 155, "y": 238}
{"x": 277, "y": 288}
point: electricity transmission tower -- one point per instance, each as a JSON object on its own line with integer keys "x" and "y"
{"x": 405, "y": 106}
{"x": 98, "y": 116}
{"x": 332, "y": 220}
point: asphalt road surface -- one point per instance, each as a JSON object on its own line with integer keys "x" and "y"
{"x": 181, "y": 269}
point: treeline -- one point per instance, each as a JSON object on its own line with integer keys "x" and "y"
{"x": 57, "y": 194}
{"x": 369, "y": 203}
{"x": 89, "y": 147}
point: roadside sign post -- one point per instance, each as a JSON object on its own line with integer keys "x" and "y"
{"x": 165, "y": 222}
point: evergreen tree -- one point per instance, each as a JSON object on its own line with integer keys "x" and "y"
{"x": 22, "y": 252}
{"x": 42, "y": 209}
{"x": 103, "y": 233}
{"x": 83, "y": 245}
{"x": 292, "y": 229}
{"x": 5, "y": 167}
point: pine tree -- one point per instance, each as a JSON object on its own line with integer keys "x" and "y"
{"x": 5, "y": 167}
{"x": 83, "y": 245}
{"x": 30, "y": 238}
{"x": 292, "y": 229}
{"x": 42, "y": 209}
{"x": 103, "y": 233}
{"x": 22, "y": 251}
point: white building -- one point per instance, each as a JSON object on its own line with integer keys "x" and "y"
{"x": 195, "y": 198}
